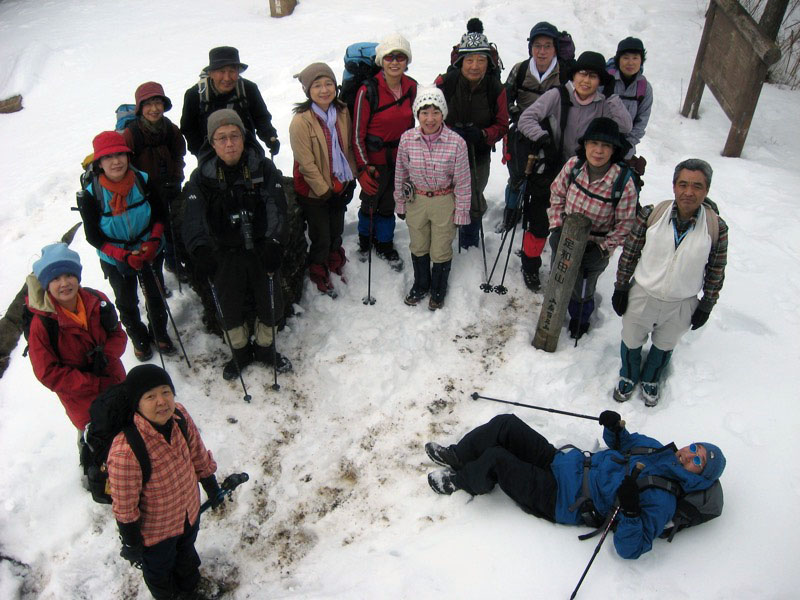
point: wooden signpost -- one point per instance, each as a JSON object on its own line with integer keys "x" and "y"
{"x": 732, "y": 60}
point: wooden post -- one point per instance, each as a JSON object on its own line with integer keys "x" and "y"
{"x": 566, "y": 266}
{"x": 281, "y": 8}
{"x": 696, "y": 84}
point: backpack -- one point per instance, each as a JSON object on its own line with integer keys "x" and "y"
{"x": 239, "y": 101}
{"x": 712, "y": 216}
{"x": 125, "y": 113}
{"x": 565, "y": 47}
{"x": 110, "y": 414}
{"x": 694, "y": 508}
{"x": 624, "y": 175}
{"x": 359, "y": 68}
{"x": 51, "y": 325}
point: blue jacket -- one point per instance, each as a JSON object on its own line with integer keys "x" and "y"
{"x": 634, "y": 535}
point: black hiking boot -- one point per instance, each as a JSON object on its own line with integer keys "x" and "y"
{"x": 443, "y": 481}
{"x": 439, "y": 276}
{"x": 241, "y": 357}
{"x": 442, "y": 455}
{"x": 577, "y": 330}
{"x": 531, "y": 279}
{"x": 268, "y": 356}
{"x": 363, "y": 247}
{"x": 386, "y": 251}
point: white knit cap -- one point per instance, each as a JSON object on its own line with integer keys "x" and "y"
{"x": 430, "y": 96}
{"x": 392, "y": 43}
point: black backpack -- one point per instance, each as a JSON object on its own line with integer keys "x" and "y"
{"x": 110, "y": 414}
{"x": 694, "y": 508}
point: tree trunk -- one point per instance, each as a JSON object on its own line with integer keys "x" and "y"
{"x": 772, "y": 18}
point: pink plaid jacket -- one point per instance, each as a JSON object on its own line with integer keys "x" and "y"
{"x": 171, "y": 496}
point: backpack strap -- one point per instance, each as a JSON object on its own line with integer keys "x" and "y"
{"x": 623, "y": 176}
{"x": 51, "y": 327}
{"x": 712, "y": 218}
{"x": 182, "y": 424}
{"x": 372, "y": 97}
{"x": 135, "y": 441}
{"x": 522, "y": 72}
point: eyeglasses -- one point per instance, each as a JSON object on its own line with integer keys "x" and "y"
{"x": 696, "y": 460}
{"x": 588, "y": 74}
{"x": 224, "y": 139}
{"x": 398, "y": 57}
{"x": 543, "y": 47}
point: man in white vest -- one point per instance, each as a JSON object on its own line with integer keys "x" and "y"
{"x": 676, "y": 249}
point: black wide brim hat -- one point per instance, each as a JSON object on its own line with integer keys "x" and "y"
{"x": 224, "y": 56}
{"x": 603, "y": 129}
{"x": 595, "y": 62}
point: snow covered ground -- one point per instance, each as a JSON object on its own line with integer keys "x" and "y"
{"x": 338, "y": 505}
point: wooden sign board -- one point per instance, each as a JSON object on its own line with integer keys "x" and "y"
{"x": 281, "y": 8}
{"x": 732, "y": 60}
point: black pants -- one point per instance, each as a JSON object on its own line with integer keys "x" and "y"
{"x": 535, "y": 207}
{"x": 125, "y": 284}
{"x": 325, "y": 227}
{"x": 243, "y": 289}
{"x": 172, "y": 565}
{"x": 507, "y": 452}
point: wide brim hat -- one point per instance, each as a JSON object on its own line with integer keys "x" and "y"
{"x": 148, "y": 90}
{"x": 603, "y": 129}
{"x": 224, "y": 56}
{"x": 592, "y": 61}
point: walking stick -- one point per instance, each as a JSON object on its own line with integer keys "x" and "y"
{"x": 474, "y": 173}
{"x": 476, "y": 395}
{"x": 580, "y": 308}
{"x": 227, "y": 337}
{"x": 636, "y": 470}
{"x": 169, "y": 195}
{"x": 368, "y": 299}
{"x": 169, "y": 313}
{"x": 501, "y": 289}
{"x": 275, "y": 385}
{"x": 140, "y": 279}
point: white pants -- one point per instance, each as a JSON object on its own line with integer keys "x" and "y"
{"x": 646, "y": 315}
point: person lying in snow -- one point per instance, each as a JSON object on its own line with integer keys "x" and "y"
{"x": 548, "y": 483}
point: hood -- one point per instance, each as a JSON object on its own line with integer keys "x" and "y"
{"x": 38, "y": 299}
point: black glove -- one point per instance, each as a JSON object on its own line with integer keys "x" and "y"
{"x": 628, "y": 494}
{"x": 272, "y": 256}
{"x": 610, "y": 420}
{"x": 213, "y": 490}
{"x": 471, "y": 134}
{"x": 699, "y": 318}
{"x": 274, "y": 145}
{"x": 619, "y": 300}
{"x": 97, "y": 360}
{"x": 593, "y": 254}
{"x": 108, "y": 316}
{"x": 205, "y": 263}
{"x": 132, "y": 545}
{"x": 510, "y": 218}
{"x": 542, "y": 142}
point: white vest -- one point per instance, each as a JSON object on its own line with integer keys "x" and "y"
{"x": 670, "y": 273}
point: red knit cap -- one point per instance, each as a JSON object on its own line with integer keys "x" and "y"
{"x": 148, "y": 90}
{"x": 108, "y": 142}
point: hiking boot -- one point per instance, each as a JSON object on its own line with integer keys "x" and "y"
{"x": 440, "y": 272}
{"x": 443, "y": 481}
{"x": 624, "y": 389}
{"x": 179, "y": 272}
{"x": 415, "y": 296}
{"x": 268, "y": 356}
{"x": 422, "y": 279}
{"x": 165, "y": 345}
{"x": 363, "y": 247}
{"x": 531, "y": 279}
{"x": 241, "y": 357}
{"x": 650, "y": 393}
{"x": 337, "y": 260}
{"x": 320, "y": 276}
{"x": 386, "y": 251}
{"x": 442, "y": 455}
{"x": 434, "y": 304}
{"x": 577, "y": 330}
{"x": 140, "y": 340}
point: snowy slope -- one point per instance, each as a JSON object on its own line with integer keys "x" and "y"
{"x": 338, "y": 505}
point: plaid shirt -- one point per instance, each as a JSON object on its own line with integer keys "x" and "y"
{"x": 171, "y": 496}
{"x": 609, "y": 227}
{"x": 715, "y": 267}
{"x": 443, "y": 167}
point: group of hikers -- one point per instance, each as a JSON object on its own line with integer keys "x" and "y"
{"x": 568, "y": 128}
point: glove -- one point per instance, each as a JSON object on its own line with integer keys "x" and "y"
{"x": 132, "y": 545}
{"x": 206, "y": 264}
{"x": 213, "y": 490}
{"x": 628, "y": 494}
{"x": 542, "y": 142}
{"x": 620, "y": 301}
{"x": 593, "y": 254}
{"x": 610, "y": 420}
{"x": 471, "y": 134}
{"x": 135, "y": 261}
{"x": 97, "y": 360}
{"x": 149, "y": 249}
{"x": 272, "y": 257}
{"x": 402, "y": 217}
{"x": 327, "y": 195}
{"x": 510, "y": 217}
{"x": 108, "y": 316}
{"x": 133, "y": 554}
{"x": 368, "y": 183}
{"x": 699, "y": 318}
{"x": 274, "y": 145}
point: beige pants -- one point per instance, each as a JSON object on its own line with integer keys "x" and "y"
{"x": 431, "y": 227}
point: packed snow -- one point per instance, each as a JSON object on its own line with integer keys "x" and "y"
{"x": 338, "y": 505}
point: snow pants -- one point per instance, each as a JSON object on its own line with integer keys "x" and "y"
{"x": 469, "y": 235}
{"x": 508, "y": 452}
{"x": 125, "y": 284}
{"x": 325, "y": 227}
{"x": 431, "y": 227}
{"x": 665, "y": 322}
{"x": 172, "y": 565}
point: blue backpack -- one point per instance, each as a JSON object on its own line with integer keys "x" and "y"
{"x": 359, "y": 67}
{"x": 125, "y": 113}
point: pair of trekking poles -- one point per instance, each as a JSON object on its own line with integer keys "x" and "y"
{"x": 610, "y": 522}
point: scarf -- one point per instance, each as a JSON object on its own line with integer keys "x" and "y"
{"x": 78, "y": 317}
{"x": 119, "y": 191}
{"x": 544, "y": 75}
{"x": 339, "y": 165}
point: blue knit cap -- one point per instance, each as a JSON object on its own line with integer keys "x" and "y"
{"x": 57, "y": 259}
{"x": 715, "y": 461}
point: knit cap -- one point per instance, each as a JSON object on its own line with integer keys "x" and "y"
{"x": 313, "y": 72}
{"x": 432, "y": 96}
{"x": 715, "y": 461}
{"x": 57, "y": 259}
{"x": 144, "y": 378}
{"x": 223, "y": 116}
{"x": 392, "y": 43}
{"x": 108, "y": 142}
{"x": 474, "y": 42}
{"x": 148, "y": 90}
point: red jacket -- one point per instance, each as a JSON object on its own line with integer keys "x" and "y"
{"x": 388, "y": 124}
{"x": 68, "y": 372}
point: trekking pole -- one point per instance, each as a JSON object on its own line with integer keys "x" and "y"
{"x": 486, "y": 286}
{"x": 474, "y": 173}
{"x": 368, "y": 299}
{"x": 168, "y": 197}
{"x": 169, "y": 313}
{"x": 476, "y": 395}
{"x": 635, "y": 473}
{"x": 226, "y": 489}
{"x": 227, "y": 337}
{"x": 501, "y": 289}
{"x": 580, "y": 308}
{"x": 275, "y": 385}
{"x": 140, "y": 279}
